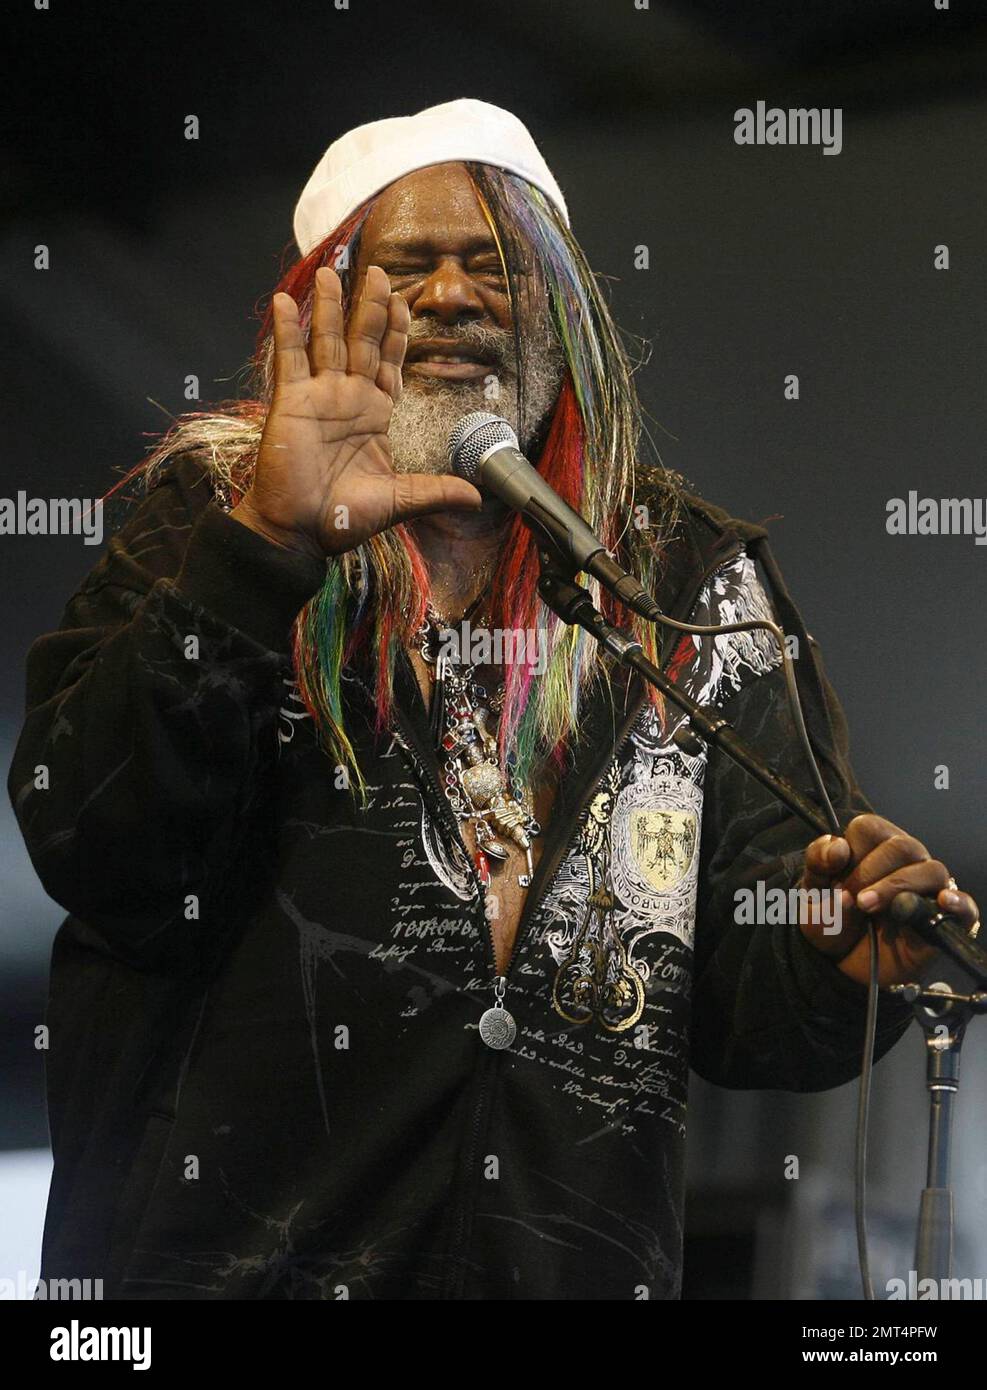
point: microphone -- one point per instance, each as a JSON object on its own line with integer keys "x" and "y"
{"x": 484, "y": 450}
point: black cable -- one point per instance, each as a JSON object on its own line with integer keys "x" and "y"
{"x": 791, "y": 690}
{"x": 863, "y": 1115}
{"x": 870, "y": 1023}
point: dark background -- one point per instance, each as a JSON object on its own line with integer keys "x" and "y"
{"x": 763, "y": 262}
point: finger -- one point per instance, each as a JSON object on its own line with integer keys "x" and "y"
{"x": 959, "y": 905}
{"x": 393, "y": 347}
{"x": 928, "y": 879}
{"x": 889, "y": 855}
{"x": 826, "y": 859}
{"x": 290, "y": 357}
{"x": 368, "y": 325}
{"x": 828, "y": 920}
{"x": 866, "y": 832}
{"x": 418, "y": 494}
{"x": 326, "y": 344}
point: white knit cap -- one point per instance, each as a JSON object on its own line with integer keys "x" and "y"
{"x": 368, "y": 158}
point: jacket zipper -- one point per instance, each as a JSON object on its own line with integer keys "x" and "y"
{"x": 441, "y": 801}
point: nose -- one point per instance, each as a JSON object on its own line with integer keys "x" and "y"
{"x": 448, "y": 293}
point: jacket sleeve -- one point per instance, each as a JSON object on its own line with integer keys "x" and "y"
{"x": 769, "y": 1010}
{"x": 152, "y": 720}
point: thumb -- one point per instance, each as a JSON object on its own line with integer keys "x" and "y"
{"x": 826, "y": 859}
{"x": 418, "y": 494}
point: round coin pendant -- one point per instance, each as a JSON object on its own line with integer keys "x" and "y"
{"x": 497, "y": 1028}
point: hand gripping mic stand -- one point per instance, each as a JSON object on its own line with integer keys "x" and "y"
{"x": 942, "y": 1014}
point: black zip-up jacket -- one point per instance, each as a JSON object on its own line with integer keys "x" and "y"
{"x": 265, "y": 1078}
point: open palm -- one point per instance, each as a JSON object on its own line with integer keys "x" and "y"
{"x": 324, "y": 480}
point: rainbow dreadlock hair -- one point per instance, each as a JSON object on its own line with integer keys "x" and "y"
{"x": 373, "y": 600}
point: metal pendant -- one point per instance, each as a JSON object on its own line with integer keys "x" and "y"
{"x": 488, "y": 842}
{"x": 497, "y": 1028}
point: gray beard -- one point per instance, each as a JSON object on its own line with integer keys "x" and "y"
{"x": 429, "y": 409}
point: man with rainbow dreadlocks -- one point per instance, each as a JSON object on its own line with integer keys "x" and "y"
{"x": 387, "y": 963}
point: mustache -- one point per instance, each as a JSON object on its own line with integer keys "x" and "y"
{"x": 488, "y": 340}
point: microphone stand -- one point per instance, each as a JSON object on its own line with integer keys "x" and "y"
{"x": 934, "y": 1240}
{"x": 572, "y": 603}
{"x": 943, "y": 1017}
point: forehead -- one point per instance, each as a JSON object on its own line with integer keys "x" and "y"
{"x": 437, "y": 204}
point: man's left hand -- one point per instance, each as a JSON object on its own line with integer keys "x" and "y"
{"x": 870, "y": 865}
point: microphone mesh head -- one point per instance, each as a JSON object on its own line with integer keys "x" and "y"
{"x": 472, "y": 437}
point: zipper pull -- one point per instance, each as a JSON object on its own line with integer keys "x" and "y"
{"x": 497, "y": 1027}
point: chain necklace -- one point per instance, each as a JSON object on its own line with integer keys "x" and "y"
{"x": 463, "y": 720}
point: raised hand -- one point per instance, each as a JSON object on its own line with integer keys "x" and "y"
{"x": 323, "y": 482}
